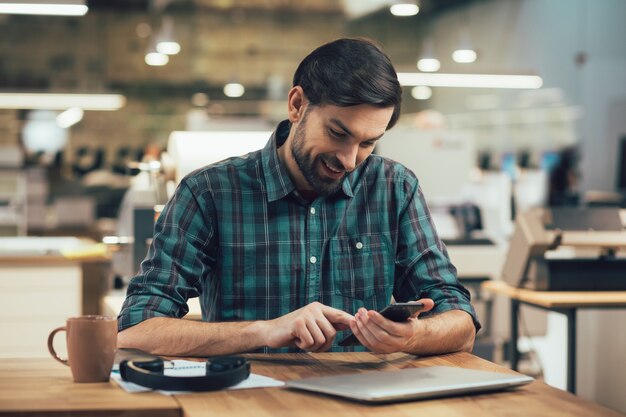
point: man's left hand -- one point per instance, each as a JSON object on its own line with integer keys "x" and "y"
{"x": 381, "y": 335}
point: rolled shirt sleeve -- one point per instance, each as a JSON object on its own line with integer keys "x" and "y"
{"x": 423, "y": 268}
{"x": 178, "y": 260}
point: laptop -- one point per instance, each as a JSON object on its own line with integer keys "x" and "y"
{"x": 410, "y": 384}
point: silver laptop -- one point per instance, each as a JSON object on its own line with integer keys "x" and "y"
{"x": 410, "y": 384}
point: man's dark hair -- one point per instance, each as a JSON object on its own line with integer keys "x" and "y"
{"x": 349, "y": 72}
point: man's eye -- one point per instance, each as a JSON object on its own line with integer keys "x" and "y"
{"x": 367, "y": 144}
{"x": 336, "y": 134}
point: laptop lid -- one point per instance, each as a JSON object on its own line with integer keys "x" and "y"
{"x": 410, "y": 384}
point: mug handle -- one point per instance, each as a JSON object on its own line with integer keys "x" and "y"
{"x": 51, "y": 346}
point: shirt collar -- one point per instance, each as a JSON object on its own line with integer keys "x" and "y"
{"x": 277, "y": 180}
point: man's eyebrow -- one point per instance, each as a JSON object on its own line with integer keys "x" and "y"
{"x": 343, "y": 127}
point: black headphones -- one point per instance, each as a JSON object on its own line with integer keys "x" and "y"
{"x": 221, "y": 372}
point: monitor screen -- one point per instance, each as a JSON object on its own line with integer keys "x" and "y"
{"x": 508, "y": 164}
{"x": 549, "y": 160}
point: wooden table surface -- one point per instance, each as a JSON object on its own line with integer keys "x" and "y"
{"x": 558, "y": 299}
{"x": 40, "y": 387}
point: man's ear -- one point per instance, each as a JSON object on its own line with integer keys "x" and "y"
{"x": 296, "y": 102}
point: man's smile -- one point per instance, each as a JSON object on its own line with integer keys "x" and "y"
{"x": 332, "y": 172}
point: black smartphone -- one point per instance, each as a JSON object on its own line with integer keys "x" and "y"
{"x": 394, "y": 312}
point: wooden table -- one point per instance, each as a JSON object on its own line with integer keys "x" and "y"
{"x": 30, "y": 387}
{"x": 564, "y": 302}
{"x": 39, "y": 387}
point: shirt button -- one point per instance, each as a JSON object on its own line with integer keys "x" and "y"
{"x": 359, "y": 245}
{"x": 312, "y": 210}
{"x": 313, "y": 259}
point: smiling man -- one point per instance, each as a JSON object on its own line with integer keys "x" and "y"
{"x": 308, "y": 236}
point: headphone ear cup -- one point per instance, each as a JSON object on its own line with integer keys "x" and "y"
{"x": 224, "y": 363}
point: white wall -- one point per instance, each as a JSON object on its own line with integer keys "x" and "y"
{"x": 545, "y": 36}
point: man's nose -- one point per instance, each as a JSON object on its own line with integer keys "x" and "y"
{"x": 347, "y": 156}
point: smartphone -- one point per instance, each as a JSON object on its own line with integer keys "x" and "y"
{"x": 395, "y": 312}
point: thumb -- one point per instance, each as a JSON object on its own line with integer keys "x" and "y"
{"x": 429, "y": 304}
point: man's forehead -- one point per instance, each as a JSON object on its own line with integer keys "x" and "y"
{"x": 362, "y": 120}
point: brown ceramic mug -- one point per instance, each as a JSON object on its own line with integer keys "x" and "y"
{"x": 91, "y": 345}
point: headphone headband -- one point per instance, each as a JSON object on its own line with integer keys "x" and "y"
{"x": 221, "y": 372}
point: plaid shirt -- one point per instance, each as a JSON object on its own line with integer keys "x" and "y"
{"x": 238, "y": 235}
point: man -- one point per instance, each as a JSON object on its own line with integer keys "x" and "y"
{"x": 285, "y": 244}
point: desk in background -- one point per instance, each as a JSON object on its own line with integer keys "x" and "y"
{"x": 564, "y": 302}
{"x": 40, "y": 288}
{"x": 30, "y": 387}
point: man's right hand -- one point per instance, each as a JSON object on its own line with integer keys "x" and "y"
{"x": 312, "y": 328}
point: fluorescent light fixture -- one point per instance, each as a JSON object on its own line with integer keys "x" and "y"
{"x": 421, "y": 92}
{"x": 464, "y": 56}
{"x": 44, "y": 7}
{"x": 52, "y": 101}
{"x": 404, "y": 8}
{"x": 234, "y": 90}
{"x": 156, "y": 59}
{"x": 428, "y": 65}
{"x": 470, "y": 80}
{"x": 70, "y": 117}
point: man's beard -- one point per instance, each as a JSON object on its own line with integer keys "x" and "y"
{"x": 321, "y": 185}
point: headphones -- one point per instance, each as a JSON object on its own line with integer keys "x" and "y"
{"x": 221, "y": 372}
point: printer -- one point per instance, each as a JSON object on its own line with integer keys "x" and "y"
{"x": 567, "y": 249}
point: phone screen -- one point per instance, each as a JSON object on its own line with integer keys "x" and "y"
{"x": 396, "y": 312}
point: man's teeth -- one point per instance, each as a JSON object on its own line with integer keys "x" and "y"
{"x": 331, "y": 168}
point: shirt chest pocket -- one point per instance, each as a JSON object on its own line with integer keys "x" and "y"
{"x": 361, "y": 266}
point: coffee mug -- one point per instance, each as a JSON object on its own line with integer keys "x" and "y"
{"x": 91, "y": 346}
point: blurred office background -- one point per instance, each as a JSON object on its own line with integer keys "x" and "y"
{"x": 102, "y": 113}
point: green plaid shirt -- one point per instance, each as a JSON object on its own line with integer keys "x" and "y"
{"x": 238, "y": 235}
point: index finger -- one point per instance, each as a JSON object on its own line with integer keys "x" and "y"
{"x": 336, "y": 316}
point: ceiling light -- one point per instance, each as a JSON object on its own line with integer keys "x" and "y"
{"x": 464, "y": 54}
{"x": 421, "y": 92}
{"x": 166, "y": 44}
{"x": 200, "y": 99}
{"x": 470, "y": 80}
{"x": 44, "y": 7}
{"x": 428, "y": 64}
{"x": 52, "y": 101}
{"x": 168, "y": 47}
{"x": 427, "y": 61}
{"x": 70, "y": 117}
{"x": 143, "y": 30}
{"x": 234, "y": 90}
{"x": 404, "y": 8}
{"x": 156, "y": 59}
